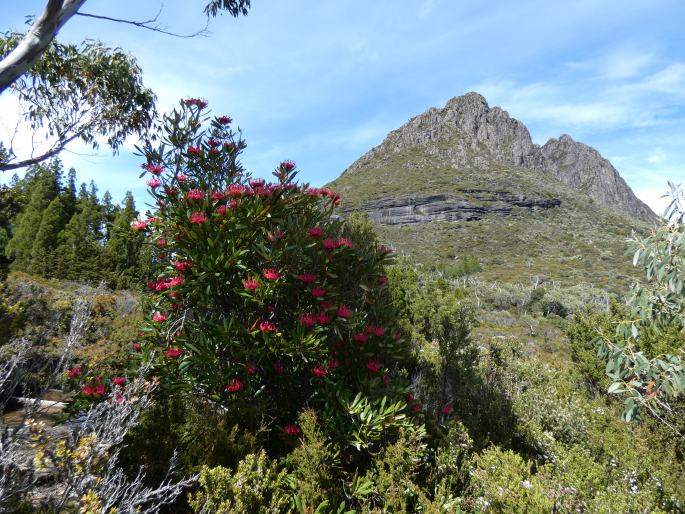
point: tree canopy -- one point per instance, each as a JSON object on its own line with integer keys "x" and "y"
{"x": 85, "y": 91}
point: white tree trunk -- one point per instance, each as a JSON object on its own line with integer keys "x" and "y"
{"x": 36, "y": 40}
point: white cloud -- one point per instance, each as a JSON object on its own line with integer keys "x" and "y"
{"x": 656, "y": 157}
{"x": 654, "y": 197}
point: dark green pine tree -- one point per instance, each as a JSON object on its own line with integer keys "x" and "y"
{"x": 38, "y": 188}
{"x": 109, "y": 213}
{"x": 123, "y": 249}
{"x": 45, "y": 259}
{"x": 80, "y": 243}
{"x": 10, "y": 206}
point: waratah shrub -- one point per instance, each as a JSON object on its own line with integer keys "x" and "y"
{"x": 266, "y": 302}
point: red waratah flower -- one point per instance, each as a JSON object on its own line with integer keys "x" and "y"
{"x": 213, "y": 143}
{"x": 139, "y": 225}
{"x": 333, "y": 364}
{"x": 176, "y": 307}
{"x": 324, "y": 319}
{"x": 318, "y": 292}
{"x": 279, "y": 368}
{"x": 270, "y": 274}
{"x": 176, "y": 281}
{"x": 251, "y": 284}
{"x": 250, "y": 368}
{"x": 155, "y": 169}
{"x": 159, "y": 317}
{"x": 194, "y": 150}
{"x": 137, "y": 347}
{"x": 173, "y": 353}
{"x": 292, "y": 429}
{"x": 329, "y": 244}
{"x": 182, "y": 178}
{"x": 307, "y": 278}
{"x": 320, "y": 371}
{"x": 416, "y": 407}
{"x": 182, "y": 265}
{"x": 235, "y": 386}
{"x": 217, "y": 195}
{"x": 274, "y": 236}
{"x": 222, "y": 210}
{"x": 386, "y": 380}
{"x": 161, "y": 243}
{"x": 315, "y": 232}
{"x": 410, "y": 397}
{"x": 170, "y": 191}
{"x": 288, "y": 165}
{"x": 373, "y": 366}
{"x": 382, "y": 280}
{"x": 198, "y": 218}
{"x": 100, "y": 389}
{"x": 119, "y": 381}
{"x": 267, "y": 326}
{"x": 198, "y": 102}
{"x": 307, "y": 320}
{"x": 344, "y": 311}
{"x": 154, "y": 182}
{"x": 74, "y": 372}
{"x": 447, "y": 409}
{"x": 224, "y": 120}
{"x": 232, "y": 204}
{"x": 195, "y": 194}
{"x": 236, "y": 189}
{"x": 360, "y": 338}
{"x": 377, "y": 331}
{"x": 88, "y": 389}
{"x": 343, "y": 241}
{"x": 313, "y": 191}
{"x": 256, "y": 183}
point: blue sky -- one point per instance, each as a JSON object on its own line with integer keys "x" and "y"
{"x": 322, "y": 82}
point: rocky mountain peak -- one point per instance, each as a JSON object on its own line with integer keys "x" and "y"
{"x": 468, "y": 133}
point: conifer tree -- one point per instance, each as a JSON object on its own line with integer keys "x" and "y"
{"x": 80, "y": 241}
{"x": 41, "y": 188}
{"x": 123, "y": 249}
{"x": 45, "y": 260}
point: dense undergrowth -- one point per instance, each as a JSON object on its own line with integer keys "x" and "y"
{"x": 528, "y": 427}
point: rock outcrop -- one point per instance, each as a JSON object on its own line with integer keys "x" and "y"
{"x": 403, "y": 211}
{"x": 468, "y": 133}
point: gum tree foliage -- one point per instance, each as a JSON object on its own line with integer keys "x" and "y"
{"x": 657, "y": 310}
{"x": 85, "y": 91}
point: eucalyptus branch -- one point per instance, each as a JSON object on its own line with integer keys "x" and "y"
{"x": 147, "y": 25}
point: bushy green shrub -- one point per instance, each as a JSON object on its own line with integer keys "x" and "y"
{"x": 255, "y": 487}
{"x": 504, "y": 482}
{"x": 266, "y": 303}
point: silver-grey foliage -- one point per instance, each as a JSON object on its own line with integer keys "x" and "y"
{"x": 79, "y": 457}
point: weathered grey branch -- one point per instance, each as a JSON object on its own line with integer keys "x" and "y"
{"x": 146, "y": 24}
{"x": 36, "y": 40}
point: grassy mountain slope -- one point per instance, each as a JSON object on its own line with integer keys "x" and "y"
{"x": 579, "y": 241}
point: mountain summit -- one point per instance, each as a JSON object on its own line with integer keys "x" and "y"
{"x": 467, "y": 181}
{"x": 467, "y": 132}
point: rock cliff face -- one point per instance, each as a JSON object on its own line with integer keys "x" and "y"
{"x": 467, "y": 133}
{"x": 405, "y": 211}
